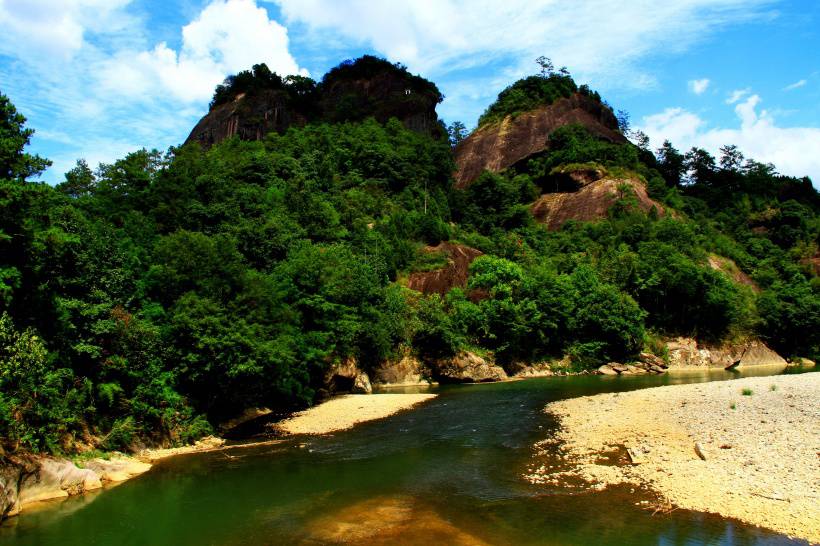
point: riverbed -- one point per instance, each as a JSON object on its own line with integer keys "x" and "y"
{"x": 450, "y": 471}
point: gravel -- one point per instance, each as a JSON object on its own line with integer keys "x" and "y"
{"x": 710, "y": 447}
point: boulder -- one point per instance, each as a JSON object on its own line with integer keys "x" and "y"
{"x": 10, "y": 475}
{"x": 341, "y": 376}
{"x": 607, "y": 369}
{"x": 361, "y": 385}
{"x": 404, "y": 371}
{"x": 686, "y": 352}
{"x": 618, "y": 367}
{"x": 117, "y": 469}
{"x": 537, "y": 369}
{"x": 54, "y": 479}
{"x": 652, "y": 360}
{"x": 635, "y": 370}
{"x": 802, "y": 362}
{"x": 467, "y": 367}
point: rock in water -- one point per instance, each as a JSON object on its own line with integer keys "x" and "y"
{"x": 606, "y": 369}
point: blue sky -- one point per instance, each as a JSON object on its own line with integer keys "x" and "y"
{"x": 100, "y": 78}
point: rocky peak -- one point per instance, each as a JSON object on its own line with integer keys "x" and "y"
{"x": 253, "y": 104}
{"x": 501, "y": 144}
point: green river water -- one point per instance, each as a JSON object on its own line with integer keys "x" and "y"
{"x": 447, "y": 472}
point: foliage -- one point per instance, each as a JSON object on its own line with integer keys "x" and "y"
{"x": 147, "y": 300}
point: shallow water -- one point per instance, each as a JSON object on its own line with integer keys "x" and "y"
{"x": 448, "y": 472}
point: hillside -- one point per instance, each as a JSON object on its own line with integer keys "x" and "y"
{"x": 150, "y": 300}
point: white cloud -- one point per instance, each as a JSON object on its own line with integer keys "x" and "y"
{"x": 737, "y": 95}
{"x": 698, "y": 87}
{"x": 44, "y": 28}
{"x": 89, "y": 69}
{"x": 795, "y": 85}
{"x": 226, "y": 37}
{"x": 600, "y": 40}
{"x": 793, "y": 150}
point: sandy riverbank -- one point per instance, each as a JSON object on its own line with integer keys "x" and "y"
{"x": 344, "y": 412}
{"x": 761, "y": 449}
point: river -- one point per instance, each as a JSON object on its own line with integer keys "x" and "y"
{"x": 447, "y": 472}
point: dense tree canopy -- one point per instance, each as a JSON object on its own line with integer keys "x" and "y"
{"x": 148, "y": 299}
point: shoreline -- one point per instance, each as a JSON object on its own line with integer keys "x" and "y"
{"x": 744, "y": 449}
{"x": 344, "y": 412}
{"x": 35, "y": 480}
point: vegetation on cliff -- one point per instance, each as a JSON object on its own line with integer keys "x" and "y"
{"x": 534, "y": 92}
{"x": 151, "y": 298}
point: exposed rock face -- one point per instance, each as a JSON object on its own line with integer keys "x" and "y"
{"x": 591, "y": 202}
{"x": 361, "y": 384}
{"x": 28, "y": 479}
{"x": 250, "y": 117}
{"x": 440, "y": 281}
{"x": 405, "y": 371}
{"x": 467, "y": 367}
{"x": 494, "y": 147}
{"x": 686, "y": 353}
{"x": 537, "y": 369}
{"x": 343, "y": 375}
{"x": 383, "y": 95}
{"x": 55, "y": 479}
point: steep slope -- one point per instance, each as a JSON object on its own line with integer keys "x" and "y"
{"x": 496, "y": 146}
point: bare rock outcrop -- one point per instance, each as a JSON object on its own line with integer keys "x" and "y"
{"x": 467, "y": 367}
{"x": 27, "y": 479}
{"x": 454, "y": 274}
{"x": 592, "y": 201}
{"x": 346, "y": 376}
{"x": 496, "y": 146}
{"x": 249, "y": 117}
{"x": 686, "y": 352}
{"x": 354, "y": 91}
{"x": 406, "y": 370}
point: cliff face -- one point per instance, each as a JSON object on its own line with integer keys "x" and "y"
{"x": 591, "y": 202}
{"x": 250, "y": 117}
{"x": 496, "y": 146}
{"x": 440, "y": 281}
{"x": 382, "y": 95}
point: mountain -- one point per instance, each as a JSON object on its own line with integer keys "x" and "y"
{"x": 502, "y": 143}
{"x": 149, "y": 300}
{"x": 255, "y": 103}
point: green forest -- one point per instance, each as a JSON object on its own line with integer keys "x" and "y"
{"x": 145, "y": 301}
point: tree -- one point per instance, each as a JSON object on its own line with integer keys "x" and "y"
{"x": 457, "y": 132}
{"x": 15, "y": 163}
{"x": 624, "y": 124}
{"x": 700, "y": 165}
{"x": 547, "y": 68}
{"x": 671, "y": 164}
{"x": 79, "y": 181}
{"x": 731, "y": 158}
